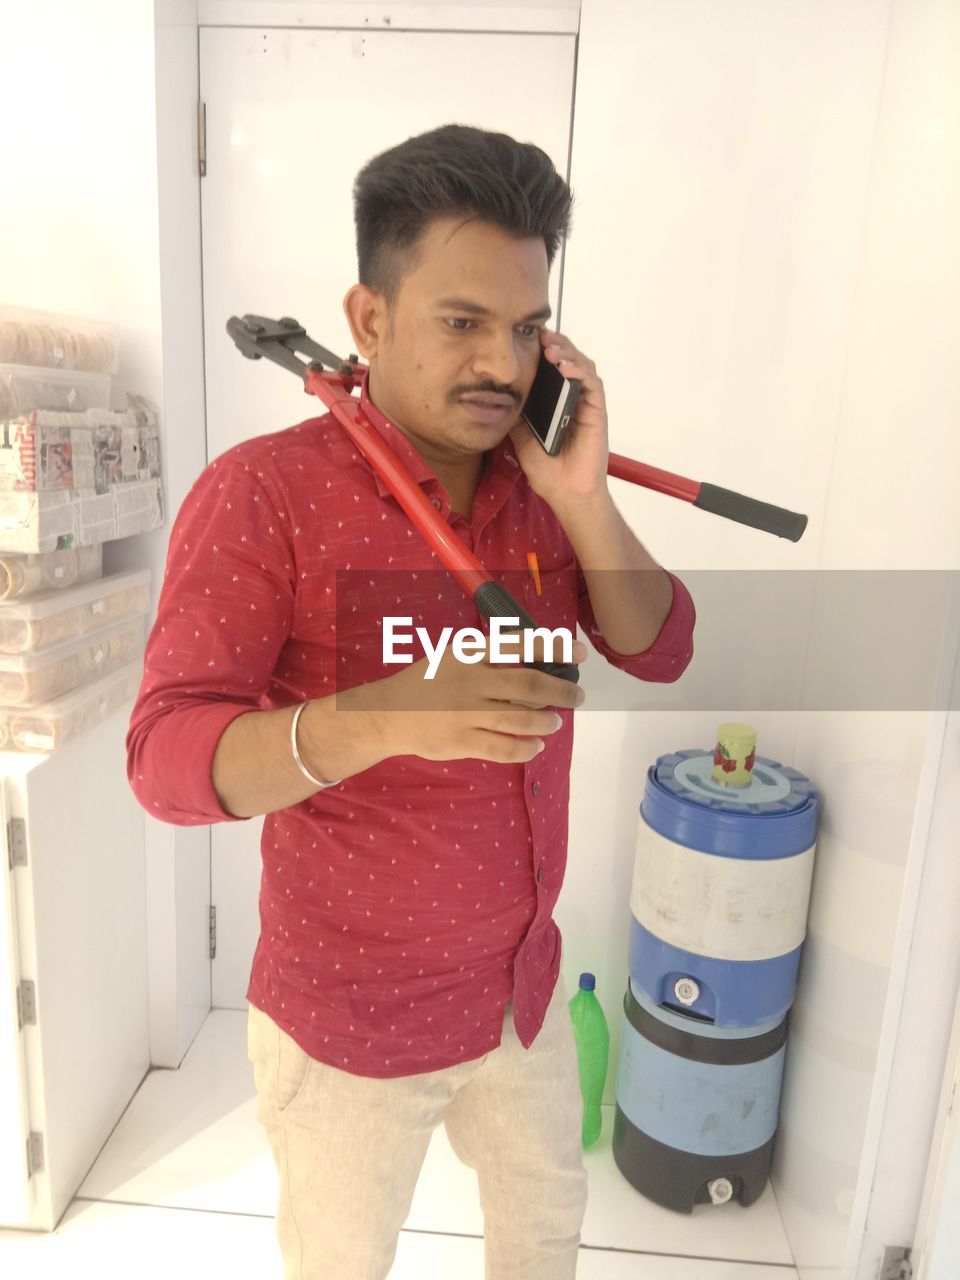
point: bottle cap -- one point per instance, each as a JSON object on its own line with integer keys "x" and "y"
{"x": 587, "y": 982}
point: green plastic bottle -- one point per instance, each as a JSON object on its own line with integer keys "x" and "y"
{"x": 592, "y": 1035}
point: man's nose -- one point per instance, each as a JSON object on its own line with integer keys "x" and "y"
{"x": 496, "y": 360}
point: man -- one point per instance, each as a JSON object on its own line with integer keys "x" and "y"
{"x": 414, "y": 844}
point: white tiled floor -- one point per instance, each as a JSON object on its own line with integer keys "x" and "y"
{"x": 186, "y": 1187}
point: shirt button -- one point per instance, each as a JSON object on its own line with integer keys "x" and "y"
{"x": 540, "y": 873}
{"x": 535, "y": 788}
{"x": 437, "y": 503}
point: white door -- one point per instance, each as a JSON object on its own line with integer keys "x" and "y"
{"x": 292, "y": 116}
{"x": 937, "y": 1246}
{"x": 909, "y": 1187}
{"x": 16, "y": 1196}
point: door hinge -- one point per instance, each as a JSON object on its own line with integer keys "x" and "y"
{"x": 213, "y": 933}
{"x": 895, "y": 1263}
{"x": 26, "y": 1004}
{"x": 34, "y": 1154}
{"x": 202, "y": 138}
{"x": 16, "y": 842}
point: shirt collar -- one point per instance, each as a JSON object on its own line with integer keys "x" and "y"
{"x": 397, "y": 441}
{"x": 502, "y": 471}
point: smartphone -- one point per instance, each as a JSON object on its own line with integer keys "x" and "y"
{"x": 550, "y": 404}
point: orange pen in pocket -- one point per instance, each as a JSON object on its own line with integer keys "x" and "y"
{"x": 534, "y": 570}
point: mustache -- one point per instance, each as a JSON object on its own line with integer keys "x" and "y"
{"x": 488, "y": 391}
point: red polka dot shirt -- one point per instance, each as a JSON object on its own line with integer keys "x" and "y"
{"x": 403, "y": 908}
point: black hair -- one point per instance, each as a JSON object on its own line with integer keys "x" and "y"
{"x": 454, "y": 170}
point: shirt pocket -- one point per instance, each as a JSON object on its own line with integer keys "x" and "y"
{"x": 556, "y": 605}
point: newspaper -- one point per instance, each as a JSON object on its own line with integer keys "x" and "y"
{"x": 95, "y": 449}
{"x": 76, "y": 479}
{"x": 31, "y": 522}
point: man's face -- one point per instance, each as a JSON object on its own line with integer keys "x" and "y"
{"x": 465, "y": 326}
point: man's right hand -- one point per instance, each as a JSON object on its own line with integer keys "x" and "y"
{"x": 483, "y": 711}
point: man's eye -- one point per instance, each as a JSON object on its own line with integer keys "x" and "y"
{"x": 458, "y": 323}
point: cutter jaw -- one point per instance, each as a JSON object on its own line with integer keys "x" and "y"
{"x": 279, "y": 340}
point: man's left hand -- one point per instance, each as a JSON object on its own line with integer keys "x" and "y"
{"x": 579, "y": 471}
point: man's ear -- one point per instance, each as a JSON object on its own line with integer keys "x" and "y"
{"x": 366, "y": 313}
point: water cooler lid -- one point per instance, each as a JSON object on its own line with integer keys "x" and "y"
{"x": 774, "y": 817}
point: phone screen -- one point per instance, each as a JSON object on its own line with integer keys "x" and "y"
{"x": 550, "y": 404}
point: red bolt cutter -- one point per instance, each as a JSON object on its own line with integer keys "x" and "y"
{"x": 279, "y": 340}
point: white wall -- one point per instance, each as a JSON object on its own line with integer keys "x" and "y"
{"x": 761, "y": 264}
{"x": 78, "y": 233}
{"x": 82, "y": 231}
{"x": 899, "y": 426}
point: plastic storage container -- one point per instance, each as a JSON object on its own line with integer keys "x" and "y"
{"x": 29, "y": 679}
{"x": 24, "y": 387}
{"x": 57, "y": 341}
{"x": 592, "y": 1038}
{"x": 49, "y": 726}
{"x": 51, "y": 619}
{"x": 25, "y": 576}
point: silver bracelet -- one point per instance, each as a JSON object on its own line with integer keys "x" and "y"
{"x": 296, "y": 754}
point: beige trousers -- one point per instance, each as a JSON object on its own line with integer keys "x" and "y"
{"x": 349, "y": 1150}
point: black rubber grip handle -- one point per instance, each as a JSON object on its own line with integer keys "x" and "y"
{"x": 495, "y": 601}
{"x": 758, "y": 515}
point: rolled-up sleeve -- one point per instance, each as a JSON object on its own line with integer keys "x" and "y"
{"x": 669, "y": 655}
{"x": 224, "y": 614}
